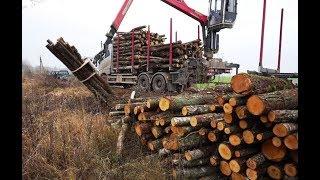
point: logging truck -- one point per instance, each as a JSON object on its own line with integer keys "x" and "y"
{"x": 222, "y": 14}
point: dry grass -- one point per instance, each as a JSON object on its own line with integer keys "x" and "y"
{"x": 65, "y": 136}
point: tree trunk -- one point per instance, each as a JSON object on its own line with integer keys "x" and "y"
{"x": 284, "y": 129}
{"x": 291, "y": 141}
{"x": 199, "y": 153}
{"x": 262, "y": 103}
{"x": 178, "y": 102}
{"x": 245, "y": 84}
{"x": 272, "y": 152}
{"x": 197, "y": 109}
{"x": 282, "y": 116}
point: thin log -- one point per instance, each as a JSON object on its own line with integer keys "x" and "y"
{"x": 290, "y": 169}
{"x": 256, "y": 160}
{"x": 204, "y": 119}
{"x": 282, "y": 116}
{"x": 275, "y": 171}
{"x": 199, "y": 153}
{"x": 242, "y": 112}
{"x": 190, "y": 141}
{"x": 264, "y": 119}
{"x": 180, "y": 121}
{"x": 284, "y": 129}
{"x": 116, "y": 113}
{"x": 157, "y": 131}
{"x": 237, "y": 101}
{"x": 264, "y": 135}
{"x": 215, "y": 121}
{"x": 155, "y": 145}
{"x": 254, "y": 174}
{"x": 214, "y": 160}
{"x": 226, "y": 150}
{"x": 153, "y": 103}
{"x": 197, "y": 109}
{"x": 121, "y": 137}
{"x": 232, "y": 129}
{"x": 228, "y": 118}
{"x": 142, "y": 128}
{"x": 238, "y": 176}
{"x": 291, "y": 141}
{"x": 213, "y": 136}
{"x": 225, "y": 168}
{"x": 245, "y": 152}
{"x": 185, "y": 163}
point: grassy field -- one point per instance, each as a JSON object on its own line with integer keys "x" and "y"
{"x": 219, "y": 79}
{"x": 65, "y": 136}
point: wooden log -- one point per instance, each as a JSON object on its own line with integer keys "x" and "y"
{"x": 145, "y": 116}
{"x": 153, "y": 103}
{"x": 242, "y": 112}
{"x": 254, "y": 174}
{"x": 264, "y": 135}
{"x": 228, "y": 118}
{"x": 181, "y": 131}
{"x": 245, "y": 124}
{"x": 256, "y": 160}
{"x": 276, "y": 141}
{"x": 245, "y": 152}
{"x": 129, "y": 107}
{"x": 213, "y": 136}
{"x": 238, "y": 176}
{"x": 284, "y": 129}
{"x": 144, "y": 138}
{"x": 245, "y": 84}
{"x": 263, "y": 103}
{"x": 178, "y": 102}
{"x": 249, "y": 136}
{"x": 282, "y": 116}
{"x": 204, "y": 119}
{"x": 222, "y": 99}
{"x": 226, "y": 150}
{"x": 180, "y": 121}
{"x": 121, "y": 137}
{"x": 194, "y": 172}
{"x": 126, "y": 119}
{"x": 236, "y": 139}
{"x": 227, "y": 108}
{"x": 137, "y": 110}
{"x": 264, "y": 119}
{"x": 290, "y": 169}
{"x": 197, "y": 109}
{"x": 272, "y": 152}
{"x": 157, "y": 131}
{"x": 237, "y": 165}
{"x": 142, "y": 128}
{"x": 155, "y": 145}
{"x": 231, "y": 129}
{"x": 116, "y": 113}
{"x": 225, "y": 168}
{"x": 224, "y": 88}
{"x": 214, "y": 160}
{"x": 196, "y": 162}
{"x": 238, "y": 101}
{"x": 199, "y": 153}
{"x": 163, "y": 152}
{"x": 137, "y": 100}
{"x": 167, "y": 129}
{"x": 215, "y": 121}
{"x": 203, "y": 131}
{"x": 291, "y": 141}
{"x": 275, "y": 171}
{"x": 119, "y": 107}
{"x": 190, "y": 141}
{"x": 221, "y": 125}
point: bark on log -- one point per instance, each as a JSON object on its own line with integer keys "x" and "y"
{"x": 272, "y": 152}
{"x": 256, "y": 160}
{"x": 178, "y": 102}
{"x": 204, "y": 119}
{"x": 284, "y": 129}
{"x": 244, "y": 83}
{"x": 153, "y": 103}
{"x": 121, "y": 137}
{"x": 282, "y": 116}
{"x": 190, "y": 141}
{"x": 245, "y": 152}
{"x": 238, "y": 101}
{"x": 196, "y": 162}
{"x": 180, "y": 121}
{"x": 291, "y": 141}
{"x": 199, "y": 153}
{"x": 264, "y": 135}
{"x": 263, "y": 103}
{"x": 224, "y": 88}
{"x": 197, "y": 109}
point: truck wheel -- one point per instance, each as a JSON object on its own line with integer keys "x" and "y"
{"x": 143, "y": 82}
{"x": 159, "y": 84}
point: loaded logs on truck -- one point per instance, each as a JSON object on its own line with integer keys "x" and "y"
{"x": 131, "y": 48}
{"x": 202, "y": 140}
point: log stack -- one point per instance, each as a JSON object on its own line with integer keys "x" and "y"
{"x": 251, "y": 134}
{"x": 134, "y": 45}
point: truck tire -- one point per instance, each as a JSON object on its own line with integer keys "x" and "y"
{"x": 143, "y": 82}
{"x": 159, "y": 84}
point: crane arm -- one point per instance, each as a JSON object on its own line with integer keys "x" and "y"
{"x": 113, "y": 29}
{"x": 183, "y": 7}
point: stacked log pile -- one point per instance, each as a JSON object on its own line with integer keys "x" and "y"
{"x": 248, "y": 131}
{"x": 134, "y": 44}
{"x": 83, "y": 69}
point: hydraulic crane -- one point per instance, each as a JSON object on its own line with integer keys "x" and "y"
{"x": 222, "y": 14}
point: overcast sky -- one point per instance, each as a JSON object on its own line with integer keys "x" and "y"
{"x": 84, "y": 23}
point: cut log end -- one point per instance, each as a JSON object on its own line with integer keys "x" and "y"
{"x": 290, "y": 169}
{"x": 220, "y": 126}
{"x": 214, "y": 161}
{"x": 225, "y": 168}
{"x": 252, "y": 174}
{"x": 212, "y": 108}
{"x": 164, "y": 104}
{"x": 248, "y": 137}
{"x": 235, "y": 166}
{"x": 151, "y": 146}
{"x": 243, "y": 124}
{"x": 234, "y": 140}
{"x": 271, "y": 116}
{"x": 212, "y": 137}
{"x": 276, "y": 141}
{"x": 241, "y": 83}
{"x": 274, "y": 172}
{"x": 228, "y": 118}
{"x": 227, "y": 108}
{"x": 255, "y": 105}
{"x": 188, "y": 155}
{"x": 233, "y": 101}
{"x": 184, "y": 111}
{"x": 237, "y": 176}
{"x": 272, "y": 152}
{"x": 264, "y": 119}
{"x": 224, "y": 151}
{"x": 193, "y": 121}
{"x": 283, "y": 129}
{"x": 291, "y": 141}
